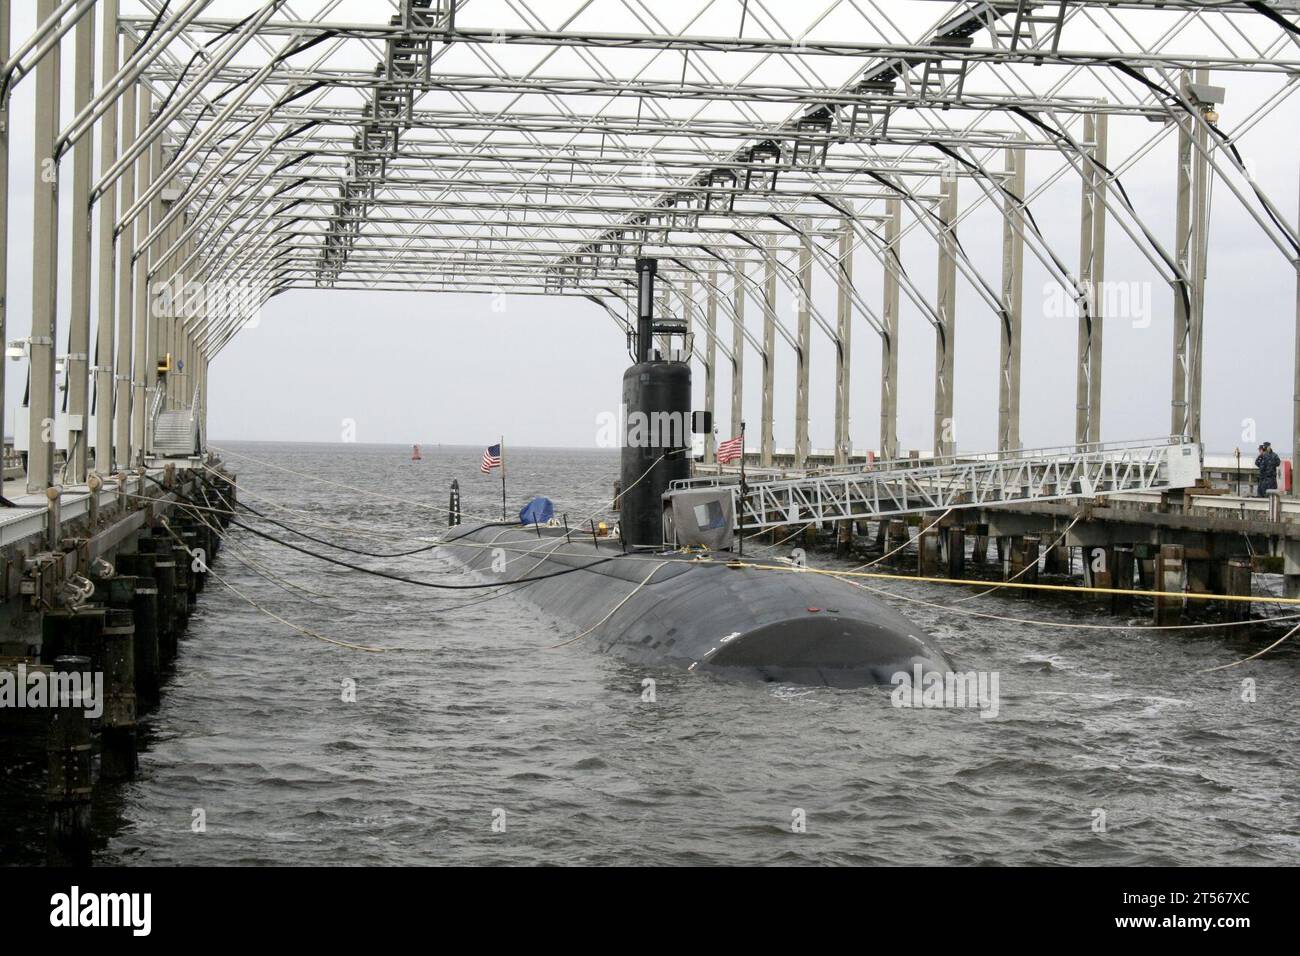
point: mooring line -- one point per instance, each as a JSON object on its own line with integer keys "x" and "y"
{"x": 271, "y": 614}
{"x": 919, "y": 579}
{"x": 287, "y": 586}
{"x": 1224, "y": 667}
{"x": 307, "y": 517}
{"x": 906, "y": 542}
{"x": 239, "y": 553}
{"x": 1069, "y": 624}
{"x": 1026, "y": 568}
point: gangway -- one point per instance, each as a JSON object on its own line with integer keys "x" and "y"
{"x": 896, "y": 488}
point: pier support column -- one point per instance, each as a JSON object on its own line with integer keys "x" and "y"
{"x": 1145, "y": 562}
{"x": 1190, "y": 245}
{"x": 1237, "y": 582}
{"x": 77, "y": 364}
{"x": 1056, "y": 557}
{"x": 145, "y": 367}
{"x": 1197, "y": 563}
{"x": 843, "y": 537}
{"x": 844, "y": 343}
{"x": 803, "y": 357}
{"x": 125, "y": 354}
{"x": 45, "y": 257}
{"x": 1092, "y": 260}
{"x": 118, "y": 756}
{"x": 186, "y": 589}
{"x": 945, "y": 335}
{"x": 1122, "y": 579}
{"x": 164, "y": 570}
{"x": 1013, "y": 295}
{"x": 1020, "y": 559}
{"x": 1170, "y": 576}
{"x": 1295, "y": 373}
{"x": 1098, "y": 567}
{"x": 953, "y": 550}
{"x": 738, "y": 348}
{"x": 927, "y": 553}
{"x": 4, "y": 206}
{"x": 1291, "y": 569}
{"x": 769, "y": 355}
{"x": 896, "y": 537}
{"x": 69, "y": 785}
{"x": 104, "y": 345}
{"x": 979, "y": 552}
{"x": 711, "y": 362}
{"x": 142, "y": 598}
{"x": 889, "y": 340}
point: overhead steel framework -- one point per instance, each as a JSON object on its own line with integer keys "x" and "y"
{"x": 754, "y": 147}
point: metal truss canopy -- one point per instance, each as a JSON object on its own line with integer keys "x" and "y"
{"x": 560, "y": 141}
{"x": 245, "y": 148}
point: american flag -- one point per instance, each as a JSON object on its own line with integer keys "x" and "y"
{"x": 730, "y": 450}
{"x": 491, "y": 459}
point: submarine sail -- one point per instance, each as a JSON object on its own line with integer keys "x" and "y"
{"x": 634, "y": 598}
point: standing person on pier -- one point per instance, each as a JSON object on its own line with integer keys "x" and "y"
{"x": 1267, "y": 462}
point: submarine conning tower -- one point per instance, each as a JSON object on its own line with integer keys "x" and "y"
{"x": 657, "y": 417}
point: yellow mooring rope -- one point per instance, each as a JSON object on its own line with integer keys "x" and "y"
{"x": 1190, "y": 596}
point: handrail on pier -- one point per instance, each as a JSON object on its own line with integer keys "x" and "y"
{"x": 997, "y": 478}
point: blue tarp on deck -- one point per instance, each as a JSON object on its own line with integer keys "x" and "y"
{"x": 538, "y": 511}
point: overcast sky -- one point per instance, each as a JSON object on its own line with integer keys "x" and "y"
{"x": 450, "y": 368}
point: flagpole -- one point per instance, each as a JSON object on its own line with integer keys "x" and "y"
{"x": 741, "y": 503}
{"x": 503, "y": 477}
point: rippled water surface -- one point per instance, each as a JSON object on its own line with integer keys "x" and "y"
{"x": 470, "y": 712}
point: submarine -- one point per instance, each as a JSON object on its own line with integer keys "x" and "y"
{"x": 643, "y": 597}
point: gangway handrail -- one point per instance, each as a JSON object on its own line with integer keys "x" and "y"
{"x": 1049, "y": 474}
{"x": 732, "y": 475}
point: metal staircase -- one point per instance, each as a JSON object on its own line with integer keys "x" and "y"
{"x": 888, "y": 489}
{"x": 177, "y": 431}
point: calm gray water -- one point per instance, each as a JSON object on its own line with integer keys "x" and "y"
{"x": 468, "y": 712}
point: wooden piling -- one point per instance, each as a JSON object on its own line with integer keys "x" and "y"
{"x": 927, "y": 553}
{"x": 1170, "y": 573}
{"x": 203, "y": 535}
{"x": 1021, "y": 559}
{"x": 1197, "y": 579}
{"x": 118, "y": 724}
{"x": 896, "y": 535}
{"x": 843, "y": 538}
{"x": 1098, "y": 566}
{"x": 953, "y": 548}
{"x": 1056, "y": 557}
{"x": 134, "y": 590}
{"x": 143, "y": 603}
{"x": 193, "y": 567}
{"x": 1237, "y": 581}
{"x": 164, "y": 573}
{"x": 1122, "y": 563}
{"x": 181, "y": 562}
{"x": 69, "y": 785}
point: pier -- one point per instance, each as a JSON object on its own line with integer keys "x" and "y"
{"x": 201, "y": 163}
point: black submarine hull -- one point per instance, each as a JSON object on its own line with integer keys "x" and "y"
{"x": 676, "y": 610}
